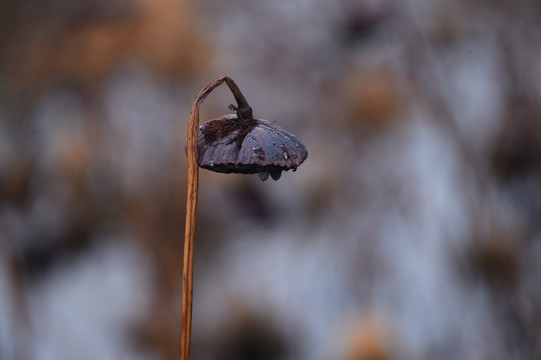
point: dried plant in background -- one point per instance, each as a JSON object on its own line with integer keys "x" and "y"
{"x": 231, "y": 144}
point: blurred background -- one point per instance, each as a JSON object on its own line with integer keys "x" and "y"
{"x": 412, "y": 231}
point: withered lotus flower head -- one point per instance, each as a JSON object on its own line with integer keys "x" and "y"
{"x": 227, "y": 145}
{"x": 238, "y": 143}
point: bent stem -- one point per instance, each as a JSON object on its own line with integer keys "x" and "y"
{"x": 191, "y": 204}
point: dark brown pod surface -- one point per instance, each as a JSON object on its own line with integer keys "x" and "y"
{"x": 226, "y": 146}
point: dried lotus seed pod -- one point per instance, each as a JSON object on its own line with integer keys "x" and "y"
{"x": 228, "y": 145}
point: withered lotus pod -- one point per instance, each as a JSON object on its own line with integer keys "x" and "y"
{"x": 228, "y": 145}
{"x": 238, "y": 143}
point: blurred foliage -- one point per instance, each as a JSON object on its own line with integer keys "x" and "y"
{"x": 419, "y": 199}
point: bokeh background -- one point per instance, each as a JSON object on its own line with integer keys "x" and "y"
{"x": 412, "y": 231}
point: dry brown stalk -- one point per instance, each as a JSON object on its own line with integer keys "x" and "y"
{"x": 191, "y": 205}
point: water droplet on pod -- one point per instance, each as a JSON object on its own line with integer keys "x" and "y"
{"x": 285, "y": 154}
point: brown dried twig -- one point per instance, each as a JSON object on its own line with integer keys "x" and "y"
{"x": 191, "y": 205}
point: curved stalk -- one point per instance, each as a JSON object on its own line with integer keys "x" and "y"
{"x": 191, "y": 204}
